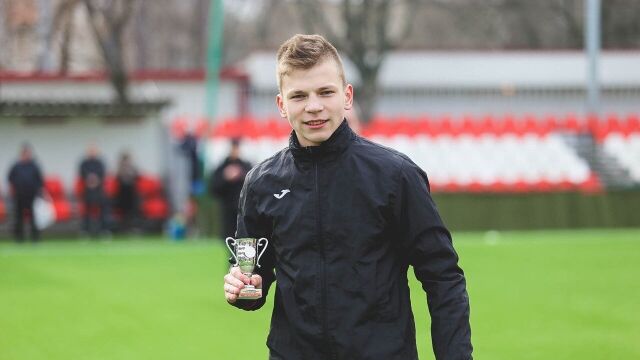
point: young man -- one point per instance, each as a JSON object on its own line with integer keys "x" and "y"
{"x": 345, "y": 218}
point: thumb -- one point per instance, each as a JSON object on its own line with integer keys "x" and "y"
{"x": 256, "y": 280}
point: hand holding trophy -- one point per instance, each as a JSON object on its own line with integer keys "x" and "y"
{"x": 244, "y": 252}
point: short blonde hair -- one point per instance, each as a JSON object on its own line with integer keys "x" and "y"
{"x": 304, "y": 52}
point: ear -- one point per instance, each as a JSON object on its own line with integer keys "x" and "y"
{"x": 348, "y": 97}
{"x": 280, "y": 104}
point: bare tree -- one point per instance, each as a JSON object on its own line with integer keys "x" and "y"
{"x": 108, "y": 19}
{"x": 62, "y": 21}
{"x": 620, "y": 24}
{"x": 366, "y": 31}
{"x": 5, "y": 54}
{"x": 571, "y": 15}
{"x": 198, "y": 32}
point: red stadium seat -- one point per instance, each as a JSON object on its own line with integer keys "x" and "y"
{"x": 631, "y": 124}
{"x": 403, "y": 125}
{"x": 62, "y": 209}
{"x": 472, "y": 126}
{"x": 591, "y": 185}
{"x": 613, "y": 123}
{"x": 110, "y": 186}
{"x": 155, "y": 209}
{"x": 148, "y": 186}
{"x": 251, "y": 129}
{"x": 201, "y": 127}
{"x": 549, "y": 125}
{"x": 445, "y": 126}
{"x": 53, "y": 186}
{"x": 498, "y": 187}
{"x": 424, "y": 126}
{"x": 489, "y": 125}
{"x": 509, "y": 125}
{"x": 570, "y": 123}
{"x": 275, "y": 128}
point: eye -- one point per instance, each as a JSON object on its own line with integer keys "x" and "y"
{"x": 327, "y": 92}
{"x": 297, "y": 97}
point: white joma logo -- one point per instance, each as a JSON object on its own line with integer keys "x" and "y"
{"x": 282, "y": 194}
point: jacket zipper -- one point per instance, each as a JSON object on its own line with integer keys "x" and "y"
{"x": 323, "y": 306}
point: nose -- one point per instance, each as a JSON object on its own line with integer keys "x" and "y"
{"x": 313, "y": 105}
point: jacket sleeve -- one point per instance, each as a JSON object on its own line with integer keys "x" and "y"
{"x": 435, "y": 262}
{"x": 12, "y": 175}
{"x": 252, "y": 224}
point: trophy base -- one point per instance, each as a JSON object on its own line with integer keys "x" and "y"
{"x": 249, "y": 292}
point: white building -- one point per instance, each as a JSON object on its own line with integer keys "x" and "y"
{"x": 463, "y": 82}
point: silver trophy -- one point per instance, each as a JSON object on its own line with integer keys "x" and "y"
{"x": 245, "y": 256}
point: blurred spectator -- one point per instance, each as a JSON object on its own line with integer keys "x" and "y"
{"x": 127, "y": 195}
{"x": 26, "y": 182}
{"x": 226, "y": 184}
{"x": 189, "y": 146}
{"x": 92, "y": 173}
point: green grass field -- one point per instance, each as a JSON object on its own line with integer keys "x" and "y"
{"x": 534, "y": 295}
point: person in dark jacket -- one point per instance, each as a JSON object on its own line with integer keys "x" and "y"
{"x": 226, "y": 183}
{"x": 126, "y": 201}
{"x": 25, "y": 179}
{"x": 92, "y": 173}
{"x": 345, "y": 219}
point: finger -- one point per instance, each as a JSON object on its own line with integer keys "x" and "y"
{"x": 231, "y": 298}
{"x": 230, "y": 293}
{"x": 256, "y": 280}
{"x": 235, "y": 271}
{"x": 233, "y": 281}
{"x": 232, "y": 290}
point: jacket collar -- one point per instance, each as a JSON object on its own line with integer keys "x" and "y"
{"x": 337, "y": 142}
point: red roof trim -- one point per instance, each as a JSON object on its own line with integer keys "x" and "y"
{"x": 228, "y": 74}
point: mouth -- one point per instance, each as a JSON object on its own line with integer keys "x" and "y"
{"x": 314, "y": 124}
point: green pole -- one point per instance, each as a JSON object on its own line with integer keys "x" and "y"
{"x": 214, "y": 60}
{"x": 214, "y": 57}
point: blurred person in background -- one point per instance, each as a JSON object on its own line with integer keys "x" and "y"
{"x": 127, "y": 203}
{"x": 92, "y": 173}
{"x": 189, "y": 147}
{"x": 25, "y": 179}
{"x": 345, "y": 218}
{"x": 226, "y": 183}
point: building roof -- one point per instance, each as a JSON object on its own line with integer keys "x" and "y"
{"x": 44, "y": 109}
{"x": 198, "y": 75}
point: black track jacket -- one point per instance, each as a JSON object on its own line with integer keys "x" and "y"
{"x": 344, "y": 221}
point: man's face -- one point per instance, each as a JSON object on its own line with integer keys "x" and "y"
{"x": 314, "y": 101}
{"x": 25, "y": 154}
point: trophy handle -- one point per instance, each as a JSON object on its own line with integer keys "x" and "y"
{"x": 266, "y": 242}
{"x": 233, "y": 243}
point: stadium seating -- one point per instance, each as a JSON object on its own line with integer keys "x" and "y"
{"x": 153, "y": 203}
{"x": 472, "y": 153}
{"x": 620, "y": 138}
